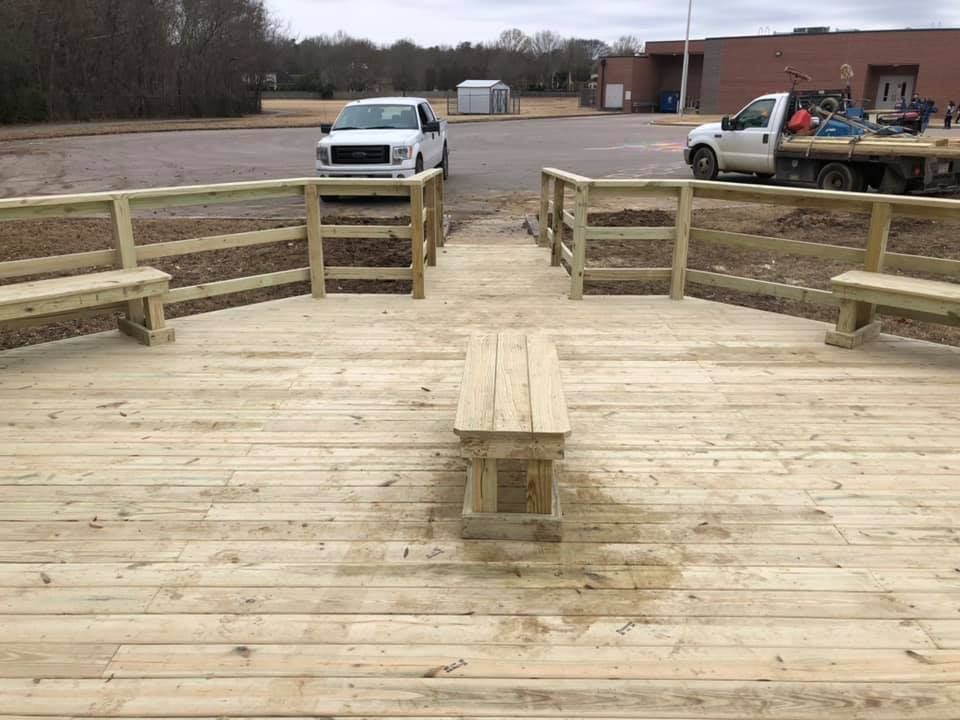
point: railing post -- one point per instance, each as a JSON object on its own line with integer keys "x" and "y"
{"x": 318, "y": 285}
{"x": 416, "y": 239}
{"x": 579, "y": 241}
{"x": 441, "y": 240}
{"x": 681, "y": 246}
{"x": 430, "y": 228}
{"x": 880, "y": 218}
{"x": 120, "y": 218}
{"x": 544, "y": 218}
{"x": 557, "y": 224}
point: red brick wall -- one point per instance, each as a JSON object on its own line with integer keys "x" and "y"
{"x": 614, "y": 71}
{"x": 749, "y": 66}
{"x": 673, "y": 47}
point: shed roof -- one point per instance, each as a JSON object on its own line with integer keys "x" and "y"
{"x": 479, "y": 83}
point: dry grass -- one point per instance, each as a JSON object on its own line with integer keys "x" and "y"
{"x": 277, "y": 114}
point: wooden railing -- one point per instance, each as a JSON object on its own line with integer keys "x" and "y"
{"x": 425, "y": 230}
{"x": 556, "y": 185}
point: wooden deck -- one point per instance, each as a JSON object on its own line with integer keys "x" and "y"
{"x": 263, "y": 518}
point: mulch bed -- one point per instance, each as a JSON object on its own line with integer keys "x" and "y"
{"x": 917, "y": 237}
{"x": 39, "y": 238}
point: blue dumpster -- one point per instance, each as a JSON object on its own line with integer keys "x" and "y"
{"x": 669, "y": 100}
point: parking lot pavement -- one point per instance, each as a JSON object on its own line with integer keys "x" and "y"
{"x": 487, "y": 159}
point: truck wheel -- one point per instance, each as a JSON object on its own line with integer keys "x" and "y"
{"x": 704, "y": 164}
{"x": 840, "y": 177}
{"x": 419, "y": 165}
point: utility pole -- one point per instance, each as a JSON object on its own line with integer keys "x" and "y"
{"x": 686, "y": 62}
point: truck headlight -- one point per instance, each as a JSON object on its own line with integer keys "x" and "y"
{"x": 402, "y": 153}
{"x": 323, "y": 154}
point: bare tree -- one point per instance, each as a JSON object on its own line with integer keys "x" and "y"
{"x": 627, "y": 45}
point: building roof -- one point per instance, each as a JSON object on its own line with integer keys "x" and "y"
{"x": 479, "y": 83}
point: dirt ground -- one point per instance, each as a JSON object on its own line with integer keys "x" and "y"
{"x": 916, "y": 237}
{"x": 277, "y": 114}
{"x": 38, "y": 238}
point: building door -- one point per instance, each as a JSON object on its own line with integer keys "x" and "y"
{"x": 613, "y": 97}
{"x": 891, "y": 88}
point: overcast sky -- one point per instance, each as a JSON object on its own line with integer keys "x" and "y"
{"x": 433, "y": 22}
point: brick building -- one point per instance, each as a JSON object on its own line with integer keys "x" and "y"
{"x": 727, "y": 72}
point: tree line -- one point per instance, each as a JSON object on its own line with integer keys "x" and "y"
{"x": 543, "y": 61}
{"x": 88, "y": 59}
{"x": 97, "y": 59}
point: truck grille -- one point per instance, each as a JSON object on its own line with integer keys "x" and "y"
{"x": 360, "y": 155}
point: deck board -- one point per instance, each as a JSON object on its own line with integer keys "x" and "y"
{"x": 263, "y": 518}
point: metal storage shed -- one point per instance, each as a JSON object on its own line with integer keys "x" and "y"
{"x": 483, "y": 97}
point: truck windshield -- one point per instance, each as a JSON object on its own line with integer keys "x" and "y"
{"x": 377, "y": 117}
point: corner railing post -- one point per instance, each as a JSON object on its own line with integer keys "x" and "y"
{"x": 557, "y": 222}
{"x": 318, "y": 285}
{"x": 681, "y": 246}
{"x": 416, "y": 239}
{"x": 121, "y": 219}
{"x": 579, "y": 240}
{"x": 880, "y": 218}
{"x": 544, "y": 219}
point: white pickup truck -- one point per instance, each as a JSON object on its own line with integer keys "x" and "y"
{"x": 383, "y": 138}
{"x": 757, "y": 141}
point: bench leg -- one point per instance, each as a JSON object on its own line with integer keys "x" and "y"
{"x": 483, "y": 475}
{"x": 154, "y": 330}
{"x": 850, "y": 333}
{"x": 540, "y": 487}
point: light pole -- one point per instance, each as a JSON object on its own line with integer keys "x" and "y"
{"x": 686, "y": 62}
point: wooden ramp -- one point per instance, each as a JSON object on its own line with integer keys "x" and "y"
{"x": 262, "y": 519}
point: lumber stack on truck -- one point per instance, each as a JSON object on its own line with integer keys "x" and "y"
{"x": 873, "y": 146}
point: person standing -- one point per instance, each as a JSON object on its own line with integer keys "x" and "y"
{"x": 948, "y": 117}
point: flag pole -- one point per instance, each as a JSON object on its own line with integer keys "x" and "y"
{"x": 686, "y": 62}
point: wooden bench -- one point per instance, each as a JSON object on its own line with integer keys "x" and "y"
{"x": 511, "y": 408}
{"x": 62, "y": 298}
{"x": 859, "y": 291}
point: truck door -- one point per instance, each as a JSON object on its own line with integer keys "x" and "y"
{"x": 432, "y": 144}
{"x": 749, "y": 146}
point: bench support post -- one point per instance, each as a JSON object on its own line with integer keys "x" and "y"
{"x": 540, "y": 487}
{"x": 848, "y": 333}
{"x": 154, "y": 330}
{"x": 483, "y": 475}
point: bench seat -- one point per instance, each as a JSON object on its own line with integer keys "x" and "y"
{"x": 58, "y": 298}
{"x": 511, "y": 408}
{"x": 857, "y": 288}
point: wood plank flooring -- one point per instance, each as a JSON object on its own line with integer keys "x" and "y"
{"x": 262, "y": 520}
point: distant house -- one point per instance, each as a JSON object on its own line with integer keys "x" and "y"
{"x": 483, "y": 97}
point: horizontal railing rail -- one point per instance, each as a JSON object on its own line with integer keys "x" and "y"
{"x": 558, "y": 223}
{"x": 424, "y": 231}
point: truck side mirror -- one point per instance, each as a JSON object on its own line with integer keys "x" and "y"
{"x": 725, "y": 123}
{"x": 431, "y": 127}
{"x": 325, "y": 128}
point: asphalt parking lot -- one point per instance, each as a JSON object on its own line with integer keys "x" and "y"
{"x": 487, "y": 159}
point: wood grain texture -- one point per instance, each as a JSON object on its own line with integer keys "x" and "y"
{"x": 264, "y": 519}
